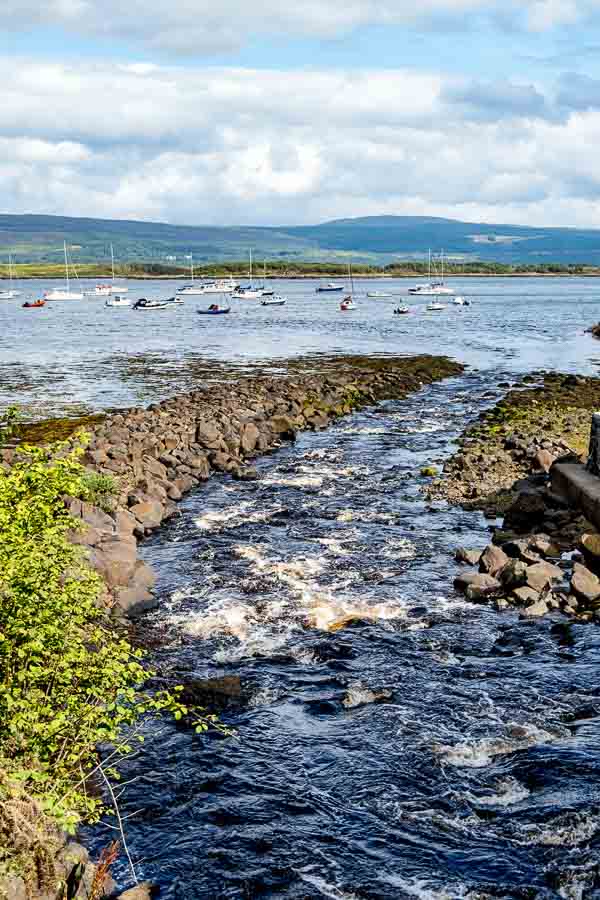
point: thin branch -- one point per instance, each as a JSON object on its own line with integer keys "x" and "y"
{"x": 120, "y": 821}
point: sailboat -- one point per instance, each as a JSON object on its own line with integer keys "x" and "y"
{"x": 191, "y": 289}
{"x": 11, "y": 292}
{"x": 250, "y": 292}
{"x": 64, "y": 293}
{"x": 433, "y": 288}
{"x": 266, "y": 292}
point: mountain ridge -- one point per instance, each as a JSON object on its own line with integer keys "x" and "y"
{"x": 378, "y": 240}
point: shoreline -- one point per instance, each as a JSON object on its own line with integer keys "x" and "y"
{"x": 310, "y": 276}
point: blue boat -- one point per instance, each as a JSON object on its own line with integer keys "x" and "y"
{"x": 214, "y": 310}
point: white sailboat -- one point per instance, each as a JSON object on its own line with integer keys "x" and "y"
{"x": 115, "y": 288}
{"x": 193, "y": 289}
{"x": 433, "y": 288}
{"x": 249, "y": 292}
{"x": 64, "y": 293}
{"x": 10, "y": 292}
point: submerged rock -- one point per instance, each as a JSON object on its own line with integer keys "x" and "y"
{"x": 468, "y": 557}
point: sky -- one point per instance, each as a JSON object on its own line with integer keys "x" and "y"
{"x": 227, "y": 112}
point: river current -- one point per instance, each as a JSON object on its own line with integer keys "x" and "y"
{"x": 391, "y": 739}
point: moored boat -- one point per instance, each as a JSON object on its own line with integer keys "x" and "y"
{"x": 64, "y": 293}
{"x": 11, "y": 292}
{"x": 330, "y": 287}
{"x": 401, "y": 310}
{"x": 379, "y": 295}
{"x": 274, "y": 300}
{"x": 347, "y": 304}
{"x": 176, "y": 301}
{"x": 214, "y": 310}
{"x": 145, "y": 303}
{"x": 34, "y": 304}
{"x": 435, "y": 307}
{"x": 432, "y": 288}
{"x": 117, "y": 301}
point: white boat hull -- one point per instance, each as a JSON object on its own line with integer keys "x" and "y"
{"x": 431, "y": 291}
{"x": 9, "y": 295}
{"x": 248, "y": 295}
{"x": 63, "y": 295}
{"x": 118, "y": 302}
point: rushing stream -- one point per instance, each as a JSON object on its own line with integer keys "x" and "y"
{"x": 392, "y": 740}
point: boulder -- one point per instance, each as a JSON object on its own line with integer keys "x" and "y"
{"x": 590, "y": 544}
{"x": 283, "y": 426}
{"x": 208, "y": 435}
{"x": 535, "y": 610}
{"x": 154, "y": 467}
{"x": 115, "y": 560}
{"x": 483, "y": 587}
{"x": 124, "y": 521}
{"x": 585, "y": 585}
{"x": 526, "y": 595}
{"x": 144, "y": 891}
{"x": 514, "y": 574}
{"x": 133, "y": 601}
{"x": 527, "y": 511}
{"x": 543, "y": 459}
{"x": 200, "y": 466}
{"x": 543, "y": 575}
{"x": 249, "y": 438}
{"x": 149, "y": 513}
{"x": 493, "y": 559}
{"x": 468, "y": 557}
{"x": 215, "y": 694}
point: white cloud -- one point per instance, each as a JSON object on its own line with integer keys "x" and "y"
{"x": 205, "y": 27}
{"x": 227, "y": 146}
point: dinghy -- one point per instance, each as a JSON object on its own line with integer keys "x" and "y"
{"x": 34, "y": 304}
{"x": 214, "y": 310}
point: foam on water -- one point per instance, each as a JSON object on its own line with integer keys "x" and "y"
{"x": 509, "y": 792}
{"x": 479, "y": 753}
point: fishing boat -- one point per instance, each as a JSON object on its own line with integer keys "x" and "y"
{"x": 329, "y": 288}
{"x": 117, "y": 301}
{"x": 379, "y": 295}
{"x": 401, "y": 310}
{"x": 34, "y": 304}
{"x": 432, "y": 288}
{"x": 64, "y": 293}
{"x": 145, "y": 303}
{"x": 214, "y": 310}
{"x": 10, "y": 293}
{"x": 435, "y": 307}
{"x": 274, "y": 300}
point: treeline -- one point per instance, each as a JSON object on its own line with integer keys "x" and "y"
{"x": 286, "y": 269}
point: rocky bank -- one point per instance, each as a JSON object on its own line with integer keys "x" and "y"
{"x": 545, "y": 556}
{"x": 157, "y": 455}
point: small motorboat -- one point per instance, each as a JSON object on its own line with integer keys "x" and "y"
{"x": 347, "y": 304}
{"x": 435, "y": 307}
{"x": 329, "y": 288}
{"x": 461, "y": 301}
{"x": 145, "y": 303}
{"x": 379, "y": 295}
{"x": 177, "y": 301}
{"x": 401, "y": 310}
{"x": 34, "y": 304}
{"x": 274, "y": 300}
{"x": 268, "y": 293}
{"x": 118, "y": 301}
{"x": 248, "y": 293}
{"x": 214, "y": 310}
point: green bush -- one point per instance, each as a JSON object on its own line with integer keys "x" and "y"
{"x": 68, "y": 680}
{"x": 101, "y": 490}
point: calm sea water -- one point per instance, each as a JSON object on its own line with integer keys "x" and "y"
{"x": 80, "y": 353}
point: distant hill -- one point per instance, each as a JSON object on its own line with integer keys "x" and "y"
{"x": 378, "y": 240}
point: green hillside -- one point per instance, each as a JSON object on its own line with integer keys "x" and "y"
{"x": 376, "y": 240}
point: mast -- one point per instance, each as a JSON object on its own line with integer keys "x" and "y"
{"x": 430, "y": 265}
{"x": 66, "y": 266}
{"x": 250, "y": 267}
{"x": 192, "y": 265}
{"x": 442, "y": 265}
{"x": 112, "y": 262}
{"x": 351, "y": 277}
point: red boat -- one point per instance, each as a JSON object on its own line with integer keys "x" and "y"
{"x": 34, "y": 304}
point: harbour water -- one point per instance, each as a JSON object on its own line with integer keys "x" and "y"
{"x": 78, "y": 355}
{"x": 391, "y": 740}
